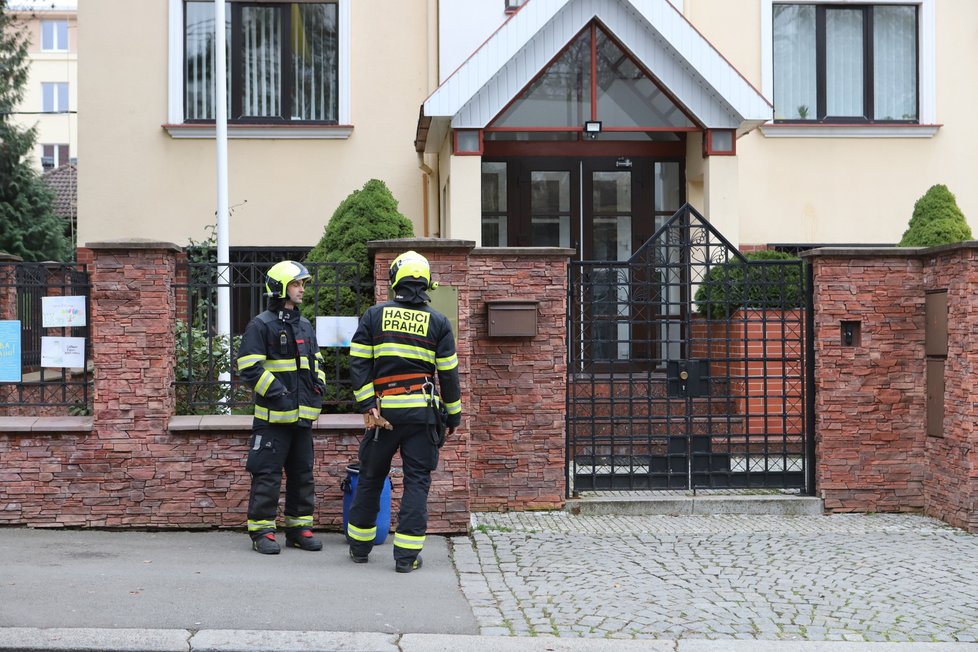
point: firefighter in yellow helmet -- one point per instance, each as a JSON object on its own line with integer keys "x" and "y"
{"x": 280, "y": 359}
{"x": 399, "y": 351}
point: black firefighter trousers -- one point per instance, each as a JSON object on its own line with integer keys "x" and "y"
{"x": 419, "y": 457}
{"x": 274, "y": 448}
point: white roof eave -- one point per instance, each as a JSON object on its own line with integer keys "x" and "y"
{"x": 743, "y": 106}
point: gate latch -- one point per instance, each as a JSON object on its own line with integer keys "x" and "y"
{"x": 688, "y": 378}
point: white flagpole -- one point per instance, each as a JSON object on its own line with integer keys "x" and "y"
{"x": 221, "y": 133}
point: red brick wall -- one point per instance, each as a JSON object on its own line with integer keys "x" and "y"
{"x": 765, "y": 366}
{"x": 951, "y": 480}
{"x": 518, "y": 385}
{"x": 873, "y": 452}
{"x": 130, "y": 470}
{"x": 509, "y": 452}
{"x": 870, "y": 398}
{"x": 159, "y": 480}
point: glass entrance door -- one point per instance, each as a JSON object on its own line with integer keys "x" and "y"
{"x": 606, "y": 209}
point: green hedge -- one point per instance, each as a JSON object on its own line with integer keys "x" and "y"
{"x": 734, "y": 285}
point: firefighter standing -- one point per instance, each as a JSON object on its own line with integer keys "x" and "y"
{"x": 280, "y": 359}
{"x": 395, "y": 353}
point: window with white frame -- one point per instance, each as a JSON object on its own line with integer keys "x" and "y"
{"x": 842, "y": 63}
{"x": 54, "y": 97}
{"x": 54, "y": 36}
{"x": 283, "y": 62}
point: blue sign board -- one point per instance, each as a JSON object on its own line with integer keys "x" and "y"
{"x": 10, "y": 351}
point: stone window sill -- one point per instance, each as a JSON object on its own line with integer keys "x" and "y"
{"x": 262, "y": 132}
{"x": 782, "y": 130}
{"x": 45, "y": 424}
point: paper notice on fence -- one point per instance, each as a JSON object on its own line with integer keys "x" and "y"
{"x": 62, "y": 312}
{"x": 335, "y": 331}
{"x": 66, "y": 352}
{"x": 10, "y": 351}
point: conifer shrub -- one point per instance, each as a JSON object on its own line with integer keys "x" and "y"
{"x": 367, "y": 214}
{"x": 738, "y": 284}
{"x": 936, "y": 220}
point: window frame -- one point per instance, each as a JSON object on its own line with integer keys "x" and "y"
{"x": 59, "y": 92}
{"x": 924, "y": 127}
{"x": 57, "y": 46}
{"x": 179, "y": 127}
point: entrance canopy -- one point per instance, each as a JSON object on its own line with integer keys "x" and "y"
{"x": 634, "y": 65}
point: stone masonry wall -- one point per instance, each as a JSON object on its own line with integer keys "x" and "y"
{"x": 134, "y": 464}
{"x": 519, "y": 385}
{"x": 951, "y": 482}
{"x": 870, "y": 398}
{"x": 508, "y": 453}
{"x": 873, "y": 450}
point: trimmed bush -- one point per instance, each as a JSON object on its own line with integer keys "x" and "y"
{"x": 734, "y": 285}
{"x": 936, "y": 220}
{"x": 367, "y": 214}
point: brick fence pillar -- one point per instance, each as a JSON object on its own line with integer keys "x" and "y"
{"x": 448, "y": 502}
{"x": 869, "y": 395}
{"x": 509, "y": 452}
{"x": 133, "y": 349}
{"x": 875, "y": 448}
{"x": 518, "y": 384}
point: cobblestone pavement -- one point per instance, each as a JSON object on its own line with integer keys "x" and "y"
{"x": 850, "y": 577}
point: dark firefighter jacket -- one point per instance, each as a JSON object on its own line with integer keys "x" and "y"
{"x": 397, "y": 345}
{"x": 280, "y": 359}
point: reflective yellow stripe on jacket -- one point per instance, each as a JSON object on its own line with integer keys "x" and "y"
{"x": 404, "y": 351}
{"x": 246, "y": 361}
{"x": 266, "y": 380}
{"x": 401, "y": 401}
{"x": 455, "y": 407}
{"x": 361, "y": 350}
{"x": 445, "y": 364}
{"x": 364, "y": 392}
{"x": 286, "y": 416}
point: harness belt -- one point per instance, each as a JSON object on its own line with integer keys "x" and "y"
{"x": 401, "y": 384}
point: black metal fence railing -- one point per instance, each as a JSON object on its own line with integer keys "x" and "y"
{"x": 206, "y": 377}
{"x": 50, "y": 376}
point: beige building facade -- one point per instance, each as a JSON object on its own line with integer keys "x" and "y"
{"x": 574, "y": 123}
{"x": 51, "y": 95}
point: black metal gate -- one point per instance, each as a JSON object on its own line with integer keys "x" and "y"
{"x": 688, "y": 366}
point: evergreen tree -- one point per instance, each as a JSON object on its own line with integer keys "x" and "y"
{"x": 31, "y": 229}
{"x": 936, "y": 220}
{"x": 367, "y": 214}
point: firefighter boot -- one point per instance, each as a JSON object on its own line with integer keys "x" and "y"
{"x": 265, "y": 543}
{"x": 301, "y": 537}
{"x": 407, "y": 565}
{"x": 358, "y": 557}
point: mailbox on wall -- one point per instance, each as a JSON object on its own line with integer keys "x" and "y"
{"x": 512, "y": 318}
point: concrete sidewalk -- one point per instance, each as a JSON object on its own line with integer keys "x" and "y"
{"x": 533, "y": 581}
{"x": 213, "y": 580}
